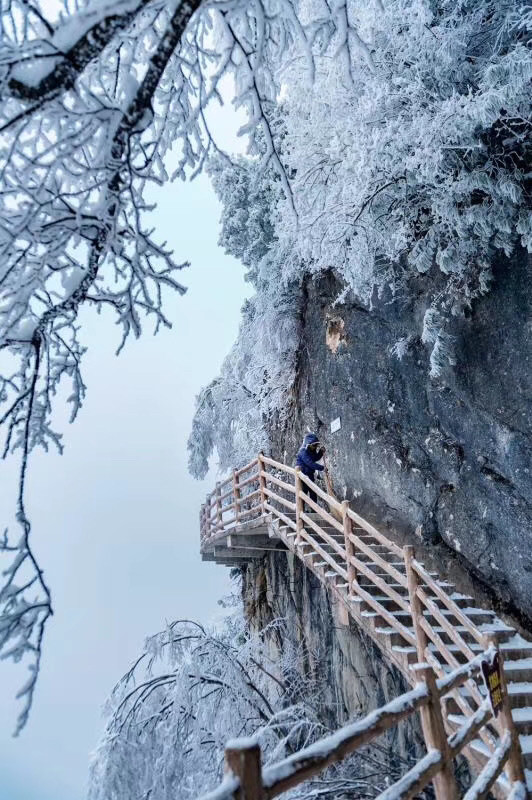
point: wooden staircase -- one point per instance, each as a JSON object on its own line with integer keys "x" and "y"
{"x": 412, "y": 615}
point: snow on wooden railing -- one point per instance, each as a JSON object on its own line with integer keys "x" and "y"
{"x": 246, "y": 779}
{"x": 267, "y": 487}
{"x": 334, "y": 532}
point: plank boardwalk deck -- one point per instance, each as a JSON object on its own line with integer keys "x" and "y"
{"x": 410, "y": 614}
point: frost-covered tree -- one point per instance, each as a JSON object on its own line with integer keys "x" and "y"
{"x": 408, "y": 151}
{"x": 256, "y": 378}
{"x": 411, "y": 153}
{"x": 94, "y": 95}
{"x": 189, "y": 692}
{"x": 192, "y": 689}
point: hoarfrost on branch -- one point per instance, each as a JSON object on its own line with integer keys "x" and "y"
{"x": 193, "y": 690}
{"x": 410, "y": 171}
{"x": 92, "y": 103}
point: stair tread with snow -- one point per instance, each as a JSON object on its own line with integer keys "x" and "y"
{"x": 325, "y": 554}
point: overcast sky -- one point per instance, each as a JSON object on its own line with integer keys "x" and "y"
{"x": 115, "y": 518}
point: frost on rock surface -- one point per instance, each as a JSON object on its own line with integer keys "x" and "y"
{"x": 407, "y": 147}
{"x": 417, "y": 159}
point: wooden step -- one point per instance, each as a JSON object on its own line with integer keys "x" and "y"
{"x": 517, "y": 651}
{"x": 518, "y": 669}
{"x": 388, "y": 631}
{"x": 515, "y": 648}
{"x": 523, "y": 719}
{"x": 525, "y": 740}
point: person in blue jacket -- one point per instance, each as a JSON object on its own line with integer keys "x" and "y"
{"x": 307, "y": 460}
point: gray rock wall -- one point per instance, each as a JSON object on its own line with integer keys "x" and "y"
{"x": 347, "y": 666}
{"x": 446, "y": 459}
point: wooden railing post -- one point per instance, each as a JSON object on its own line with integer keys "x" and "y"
{"x": 244, "y": 763}
{"x": 349, "y": 549}
{"x": 207, "y": 517}
{"x": 202, "y": 523}
{"x": 445, "y": 787}
{"x": 262, "y": 480}
{"x": 505, "y": 721}
{"x": 416, "y": 606}
{"x": 218, "y": 507}
{"x": 298, "y": 488}
{"x": 236, "y": 495}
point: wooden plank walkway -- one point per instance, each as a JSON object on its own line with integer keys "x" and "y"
{"x": 411, "y": 614}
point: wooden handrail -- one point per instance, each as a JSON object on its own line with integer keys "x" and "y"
{"x": 278, "y": 482}
{"x": 362, "y": 523}
{"x": 329, "y": 499}
{"x": 326, "y": 517}
{"x": 226, "y": 494}
{"x": 491, "y": 771}
{"x": 324, "y": 535}
{"x": 376, "y": 558}
{"x": 321, "y": 552}
{"x": 505, "y": 722}
{"x": 285, "y": 519}
{"x": 279, "y": 499}
{"x": 246, "y": 498}
{"x": 249, "y": 466}
{"x": 246, "y": 778}
{"x": 463, "y": 672}
{"x": 252, "y": 479}
{"x": 316, "y": 757}
{"x": 312, "y": 542}
{"x": 448, "y": 601}
{"x": 246, "y": 513}
{"x": 385, "y": 588}
{"x": 278, "y": 465}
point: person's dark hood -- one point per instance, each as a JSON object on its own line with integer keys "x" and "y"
{"x": 309, "y": 439}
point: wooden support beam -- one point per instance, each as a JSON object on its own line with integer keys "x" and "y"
{"x": 262, "y": 479}
{"x": 349, "y": 549}
{"x": 202, "y": 522}
{"x": 236, "y": 495}
{"x": 444, "y": 782}
{"x": 238, "y": 553}
{"x": 299, "y": 505}
{"x": 259, "y": 541}
{"x": 244, "y": 762}
{"x": 218, "y": 505}
{"x": 416, "y": 605}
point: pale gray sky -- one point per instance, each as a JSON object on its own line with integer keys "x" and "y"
{"x": 115, "y": 518}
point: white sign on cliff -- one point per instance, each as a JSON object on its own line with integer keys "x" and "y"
{"x": 336, "y": 425}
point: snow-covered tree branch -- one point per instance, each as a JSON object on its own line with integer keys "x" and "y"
{"x": 409, "y": 161}
{"x": 257, "y": 377}
{"x": 93, "y": 101}
{"x": 192, "y": 689}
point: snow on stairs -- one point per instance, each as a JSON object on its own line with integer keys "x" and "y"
{"x": 374, "y": 584}
{"x": 516, "y": 650}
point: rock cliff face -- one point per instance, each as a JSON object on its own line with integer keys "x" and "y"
{"x": 343, "y": 660}
{"x": 448, "y": 460}
{"x": 444, "y": 463}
